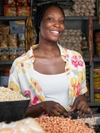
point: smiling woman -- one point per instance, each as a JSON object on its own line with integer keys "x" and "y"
{"x": 49, "y": 73}
{"x": 47, "y": 18}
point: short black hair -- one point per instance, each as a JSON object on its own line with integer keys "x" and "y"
{"x": 39, "y": 15}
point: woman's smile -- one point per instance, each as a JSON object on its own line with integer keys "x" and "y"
{"x": 55, "y": 33}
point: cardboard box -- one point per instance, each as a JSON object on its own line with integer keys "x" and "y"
{"x": 17, "y": 27}
{"x": 9, "y": 11}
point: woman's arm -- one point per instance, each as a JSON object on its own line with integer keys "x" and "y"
{"x": 81, "y": 105}
{"x": 50, "y": 107}
{"x": 35, "y": 110}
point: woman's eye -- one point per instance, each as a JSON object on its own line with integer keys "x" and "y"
{"x": 50, "y": 19}
{"x": 61, "y": 21}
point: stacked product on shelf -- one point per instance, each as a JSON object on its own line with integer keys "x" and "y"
{"x": 97, "y": 43}
{"x": 4, "y": 32}
{"x": 17, "y": 8}
{"x": 12, "y": 40}
{"x": 75, "y": 40}
{"x": 81, "y": 8}
{"x": 85, "y": 47}
{"x": 17, "y": 29}
{"x": 30, "y": 34}
{"x": 19, "y": 35}
{"x": 97, "y": 84}
{"x": 71, "y": 39}
{"x": 74, "y": 7}
{"x": 88, "y": 81}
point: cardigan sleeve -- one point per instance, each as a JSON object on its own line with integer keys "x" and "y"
{"x": 77, "y": 75}
{"x": 82, "y": 77}
{"x": 13, "y": 78}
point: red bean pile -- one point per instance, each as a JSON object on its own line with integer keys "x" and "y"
{"x": 62, "y": 125}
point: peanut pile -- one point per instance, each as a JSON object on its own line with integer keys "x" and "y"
{"x": 62, "y": 125}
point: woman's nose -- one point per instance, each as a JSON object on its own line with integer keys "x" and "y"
{"x": 56, "y": 23}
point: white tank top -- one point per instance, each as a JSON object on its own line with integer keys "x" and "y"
{"x": 54, "y": 87}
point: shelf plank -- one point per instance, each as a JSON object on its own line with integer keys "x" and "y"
{"x": 12, "y": 18}
{"x": 86, "y": 59}
{"x": 79, "y": 18}
{"x": 66, "y": 18}
{"x": 96, "y": 59}
{"x": 6, "y": 62}
{"x": 93, "y": 104}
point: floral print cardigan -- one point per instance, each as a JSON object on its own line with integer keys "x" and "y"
{"x": 22, "y": 79}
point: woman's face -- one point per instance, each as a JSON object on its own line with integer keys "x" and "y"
{"x": 52, "y": 25}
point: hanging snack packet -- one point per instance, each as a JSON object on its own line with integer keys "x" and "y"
{"x": 12, "y": 40}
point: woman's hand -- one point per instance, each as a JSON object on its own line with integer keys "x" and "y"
{"x": 54, "y": 109}
{"x": 81, "y": 105}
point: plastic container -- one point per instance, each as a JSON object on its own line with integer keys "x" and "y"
{"x": 13, "y": 110}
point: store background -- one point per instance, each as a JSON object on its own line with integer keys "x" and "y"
{"x": 76, "y": 37}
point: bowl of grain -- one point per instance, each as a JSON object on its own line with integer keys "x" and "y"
{"x": 13, "y": 105}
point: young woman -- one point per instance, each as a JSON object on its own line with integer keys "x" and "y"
{"x": 53, "y": 77}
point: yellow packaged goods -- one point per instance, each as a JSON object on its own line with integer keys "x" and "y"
{"x": 97, "y": 96}
{"x": 97, "y": 85}
{"x": 4, "y": 41}
{"x": 97, "y": 41}
{"x": 4, "y": 29}
{"x": 97, "y": 77}
{"x": 1, "y": 39}
{"x": 30, "y": 34}
{"x": 97, "y": 71}
{"x": 28, "y": 125}
{"x": 97, "y": 100}
{"x": 12, "y": 40}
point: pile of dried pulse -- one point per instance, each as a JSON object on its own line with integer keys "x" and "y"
{"x": 62, "y": 125}
{"x": 9, "y": 95}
